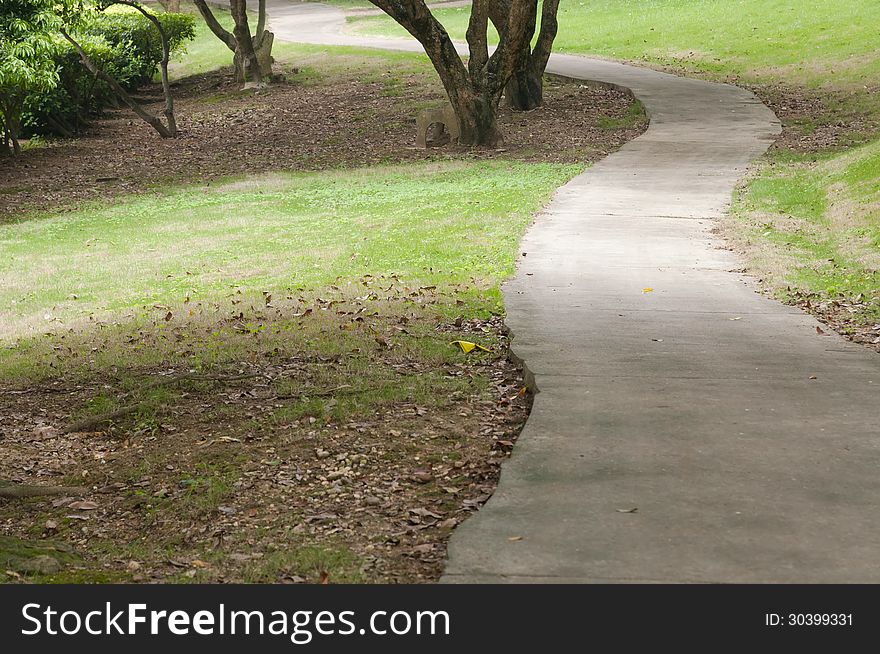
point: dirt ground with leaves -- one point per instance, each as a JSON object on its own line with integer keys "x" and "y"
{"x": 280, "y": 463}
{"x": 301, "y": 123}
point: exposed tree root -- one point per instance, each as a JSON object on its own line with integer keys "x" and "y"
{"x": 93, "y": 422}
{"x": 20, "y": 491}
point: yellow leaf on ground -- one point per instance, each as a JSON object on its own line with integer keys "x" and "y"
{"x": 647, "y": 290}
{"x": 467, "y": 346}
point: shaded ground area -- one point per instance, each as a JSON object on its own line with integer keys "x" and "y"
{"x": 289, "y": 464}
{"x": 316, "y": 119}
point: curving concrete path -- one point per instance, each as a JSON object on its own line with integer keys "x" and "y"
{"x": 698, "y": 432}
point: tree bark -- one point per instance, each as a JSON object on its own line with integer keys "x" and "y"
{"x": 261, "y": 22}
{"x": 6, "y": 137}
{"x": 20, "y": 491}
{"x": 245, "y": 54}
{"x": 10, "y": 108}
{"x": 252, "y": 55}
{"x": 525, "y": 90}
{"x": 263, "y": 42}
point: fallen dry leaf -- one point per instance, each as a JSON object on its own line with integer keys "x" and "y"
{"x": 83, "y": 506}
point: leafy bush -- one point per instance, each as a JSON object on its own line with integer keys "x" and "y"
{"x": 124, "y": 44}
{"x": 26, "y": 65}
{"x": 136, "y": 41}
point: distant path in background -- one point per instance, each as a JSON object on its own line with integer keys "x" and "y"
{"x": 686, "y": 428}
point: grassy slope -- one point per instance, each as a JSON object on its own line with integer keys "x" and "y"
{"x": 812, "y": 227}
{"x": 300, "y": 231}
{"x": 810, "y": 222}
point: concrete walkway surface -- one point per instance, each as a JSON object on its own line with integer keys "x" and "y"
{"x": 686, "y": 428}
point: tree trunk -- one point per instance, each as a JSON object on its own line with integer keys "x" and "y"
{"x": 171, "y": 6}
{"x": 245, "y": 55}
{"x": 11, "y": 126}
{"x": 263, "y": 41}
{"x": 525, "y": 90}
{"x": 252, "y": 58}
{"x": 477, "y": 120}
{"x": 474, "y": 90}
{"x": 263, "y": 54}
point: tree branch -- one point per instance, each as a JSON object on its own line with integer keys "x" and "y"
{"x": 213, "y": 25}
{"x": 163, "y": 65}
{"x": 19, "y": 491}
{"x": 261, "y": 24}
{"x": 415, "y": 17}
{"x": 549, "y": 27}
{"x": 477, "y": 39}
{"x": 147, "y": 117}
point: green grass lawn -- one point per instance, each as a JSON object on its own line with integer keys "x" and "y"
{"x": 813, "y": 226}
{"x": 125, "y": 264}
{"x": 811, "y": 222}
{"x": 285, "y": 235}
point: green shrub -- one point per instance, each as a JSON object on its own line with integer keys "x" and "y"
{"x": 136, "y": 41}
{"x": 122, "y": 43}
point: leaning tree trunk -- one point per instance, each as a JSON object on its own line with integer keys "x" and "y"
{"x": 163, "y": 65}
{"x": 133, "y": 104}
